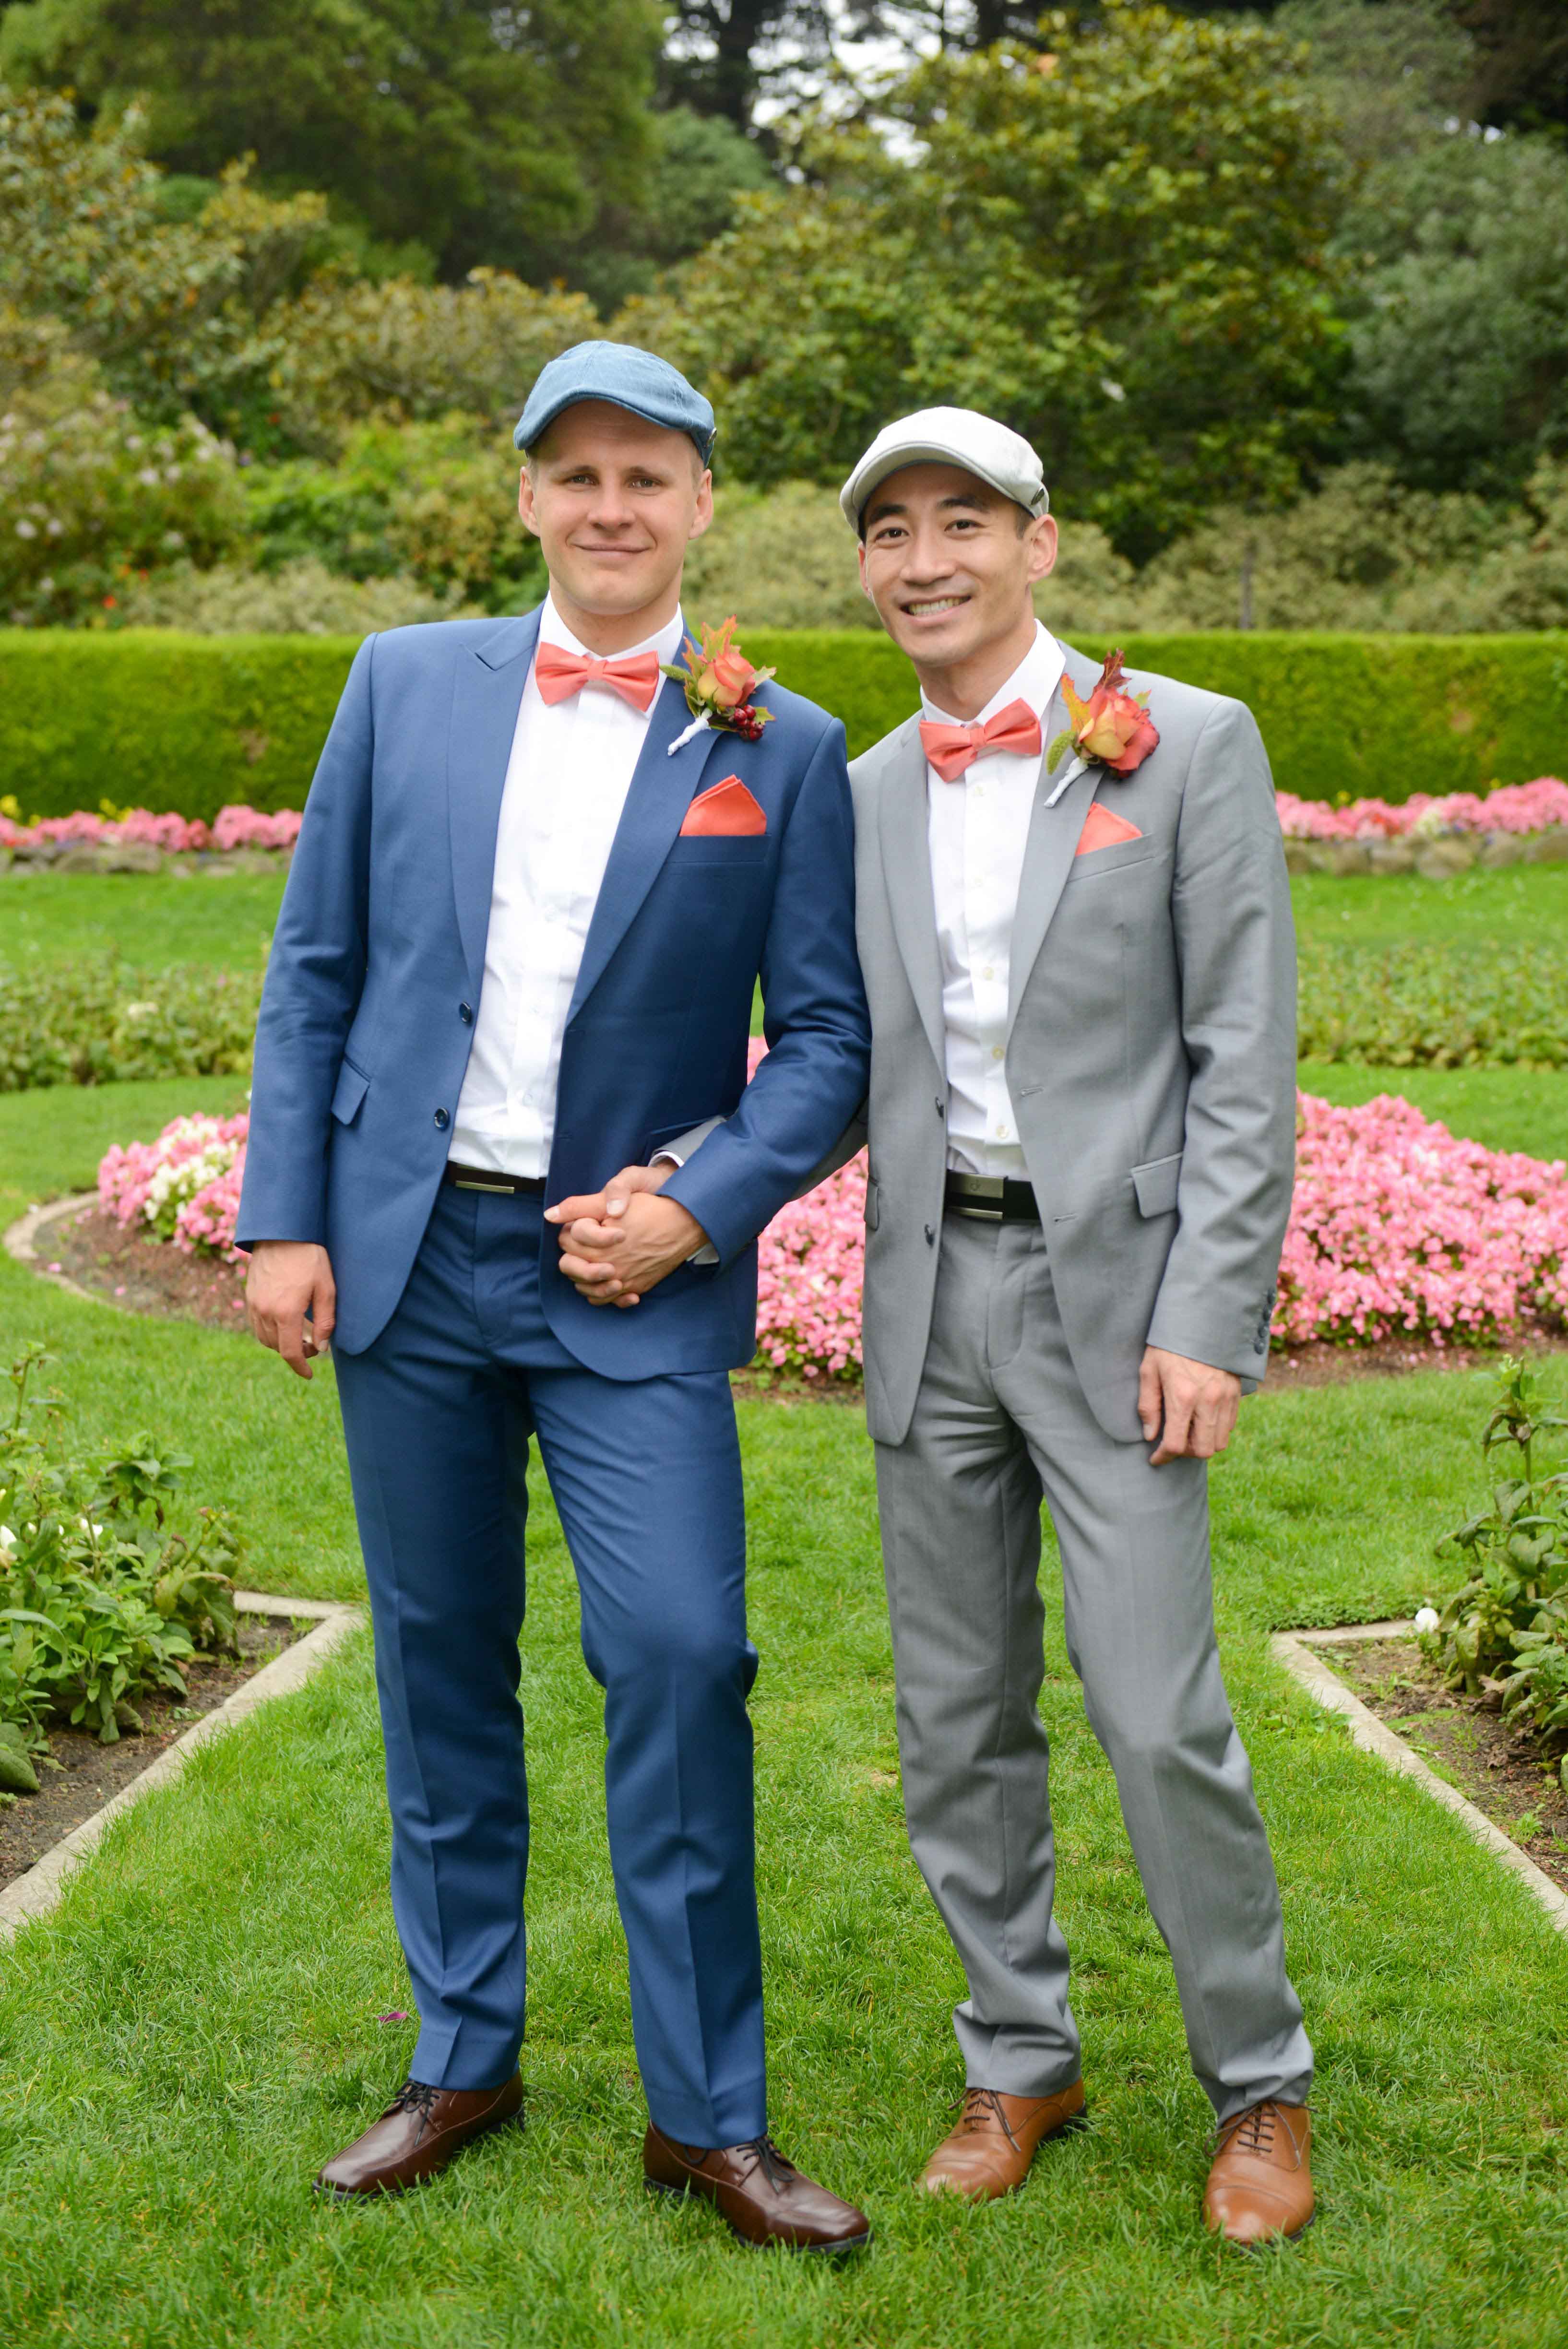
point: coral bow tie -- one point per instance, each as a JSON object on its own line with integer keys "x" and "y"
{"x": 953, "y": 749}
{"x": 635, "y": 676}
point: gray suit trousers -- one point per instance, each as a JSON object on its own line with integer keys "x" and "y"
{"x": 1000, "y": 1422}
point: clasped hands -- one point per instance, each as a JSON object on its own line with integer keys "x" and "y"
{"x": 618, "y": 1243}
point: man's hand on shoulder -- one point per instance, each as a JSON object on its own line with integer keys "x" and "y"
{"x": 618, "y": 1243}
{"x": 288, "y": 1279}
{"x": 1190, "y": 1406}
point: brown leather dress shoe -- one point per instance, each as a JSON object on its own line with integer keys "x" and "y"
{"x": 761, "y": 2197}
{"x": 1260, "y": 2188}
{"x": 417, "y": 2135}
{"x": 990, "y": 2151}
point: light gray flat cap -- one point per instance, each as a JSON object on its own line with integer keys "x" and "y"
{"x": 951, "y": 435}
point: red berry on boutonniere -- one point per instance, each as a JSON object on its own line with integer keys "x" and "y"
{"x": 1112, "y": 729}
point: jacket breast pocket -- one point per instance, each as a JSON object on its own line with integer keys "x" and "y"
{"x": 352, "y": 1086}
{"x": 1156, "y": 1184}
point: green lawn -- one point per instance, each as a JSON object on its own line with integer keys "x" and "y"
{"x": 1506, "y": 1108}
{"x": 165, "y": 917}
{"x": 196, "y": 2027}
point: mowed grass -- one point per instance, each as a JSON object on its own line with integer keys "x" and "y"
{"x": 1514, "y": 903}
{"x": 197, "y": 2026}
{"x": 1506, "y": 1108}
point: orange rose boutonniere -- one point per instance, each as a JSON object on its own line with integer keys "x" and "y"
{"x": 1112, "y": 729}
{"x": 719, "y": 683}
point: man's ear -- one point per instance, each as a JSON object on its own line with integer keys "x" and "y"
{"x": 527, "y": 512}
{"x": 1042, "y": 549}
{"x": 864, "y": 581}
{"x": 702, "y": 519}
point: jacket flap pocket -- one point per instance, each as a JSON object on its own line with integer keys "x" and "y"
{"x": 873, "y": 1203}
{"x": 1156, "y": 1184}
{"x": 352, "y": 1086}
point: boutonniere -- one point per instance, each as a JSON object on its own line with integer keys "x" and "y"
{"x": 1112, "y": 729}
{"x": 719, "y": 683}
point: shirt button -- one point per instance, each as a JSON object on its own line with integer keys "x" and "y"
{"x": 1001, "y": 1133}
{"x": 465, "y": 1013}
{"x": 996, "y": 1051}
{"x": 987, "y": 972}
{"x": 442, "y": 1119}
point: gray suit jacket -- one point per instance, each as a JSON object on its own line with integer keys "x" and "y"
{"x": 1150, "y": 1055}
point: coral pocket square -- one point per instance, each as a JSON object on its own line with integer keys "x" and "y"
{"x": 1102, "y": 829}
{"x": 728, "y": 812}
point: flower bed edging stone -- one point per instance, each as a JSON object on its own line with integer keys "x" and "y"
{"x": 21, "y": 1242}
{"x": 1294, "y": 1651}
{"x": 39, "y": 1891}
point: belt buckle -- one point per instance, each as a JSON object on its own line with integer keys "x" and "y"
{"x": 980, "y": 1197}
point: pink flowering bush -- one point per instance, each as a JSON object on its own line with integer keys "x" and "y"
{"x": 183, "y": 1187}
{"x": 235, "y": 827}
{"x": 1396, "y": 1228}
{"x": 1538, "y": 806}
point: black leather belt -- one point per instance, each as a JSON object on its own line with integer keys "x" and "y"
{"x": 484, "y": 1178}
{"x": 991, "y": 1199}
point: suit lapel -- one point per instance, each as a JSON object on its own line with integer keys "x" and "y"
{"x": 1060, "y": 803}
{"x": 486, "y": 694}
{"x": 663, "y": 789}
{"x": 903, "y": 828}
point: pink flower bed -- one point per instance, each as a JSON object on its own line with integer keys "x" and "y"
{"x": 1395, "y": 1227}
{"x": 1538, "y": 806}
{"x": 183, "y": 1187}
{"x": 235, "y": 827}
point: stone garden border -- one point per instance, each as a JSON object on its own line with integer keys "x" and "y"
{"x": 21, "y": 1237}
{"x": 37, "y": 1892}
{"x": 1294, "y": 1651}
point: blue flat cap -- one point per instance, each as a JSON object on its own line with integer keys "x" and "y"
{"x": 627, "y": 378}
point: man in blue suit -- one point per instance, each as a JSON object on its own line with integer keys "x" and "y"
{"x": 528, "y": 913}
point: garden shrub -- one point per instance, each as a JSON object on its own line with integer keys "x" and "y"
{"x": 101, "y": 1602}
{"x": 93, "y": 1021}
{"x": 1427, "y": 1003}
{"x": 1504, "y": 1632}
{"x": 195, "y": 723}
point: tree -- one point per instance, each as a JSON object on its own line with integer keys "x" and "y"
{"x": 1116, "y": 245}
{"x": 489, "y": 133}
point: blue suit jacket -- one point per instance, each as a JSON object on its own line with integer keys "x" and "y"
{"x": 367, "y": 1012}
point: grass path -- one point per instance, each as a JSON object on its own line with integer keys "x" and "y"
{"x": 197, "y": 2026}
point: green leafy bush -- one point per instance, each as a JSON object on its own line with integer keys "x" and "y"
{"x": 100, "y": 1600}
{"x": 1504, "y": 1632}
{"x": 93, "y": 1022}
{"x": 1429, "y": 1004}
{"x": 195, "y": 723}
{"x": 300, "y": 598}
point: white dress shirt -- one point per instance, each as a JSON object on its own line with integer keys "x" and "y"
{"x": 977, "y": 830}
{"x": 566, "y": 781}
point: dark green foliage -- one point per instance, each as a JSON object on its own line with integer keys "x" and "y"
{"x": 1505, "y": 1632}
{"x": 1435, "y": 1005}
{"x": 194, "y": 723}
{"x": 95, "y": 1021}
{"x": 100, "y": 1600}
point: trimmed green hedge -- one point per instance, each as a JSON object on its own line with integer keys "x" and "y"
{"x": 157, "y": 720}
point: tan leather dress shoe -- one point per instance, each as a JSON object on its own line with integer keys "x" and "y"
{"x": 1260, "y": 2188}
{"x": 990, "y": 2151}
{"x": 417, "y": 2135}
{"x": 761, "y": 2197}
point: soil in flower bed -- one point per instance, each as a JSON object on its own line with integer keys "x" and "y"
{"x": 1321, "y": 1364}
{"x": 90, "y": 1774}
{"x": 144, "y": 1275}
{"x": 1465, "y": 1741}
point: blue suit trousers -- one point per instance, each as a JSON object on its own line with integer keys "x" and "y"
{"x": 439, "y": 1413}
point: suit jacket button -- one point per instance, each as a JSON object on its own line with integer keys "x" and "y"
{"x": 930, "y": 1236}
{"x": 941, "y": 1106}
{"x": 465, "y": 1013}
{"x": 442, "y": 1120}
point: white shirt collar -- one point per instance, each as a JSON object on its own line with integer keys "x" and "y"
{"x": 1035, "y": 680}
{"x": 666, "y": 643}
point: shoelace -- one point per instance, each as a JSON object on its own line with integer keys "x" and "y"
{"x": 414, "y": 2096}
{"x": 982, "y": 2106}
{"x": 1254, "y": 2131}
{"x": 775, "y": 2167}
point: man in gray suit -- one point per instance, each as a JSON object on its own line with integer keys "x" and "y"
{"x": 1081, "y": 974}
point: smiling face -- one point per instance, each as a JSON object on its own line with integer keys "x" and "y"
{"x": 614, "y": 501}
{"x": 950, "y": 564}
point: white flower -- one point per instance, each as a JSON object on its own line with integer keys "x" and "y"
{"x": 25, "y": 529}
{"x": 1426, "y": 1618}
{"x": 148, "y": 477}
{"x": 1112, "y": 389}
{"x": 7, "y": 1538}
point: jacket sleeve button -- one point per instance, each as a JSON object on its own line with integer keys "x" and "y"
{"x": 442, "y": 1120}
{"x": 465, "y": 1013}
